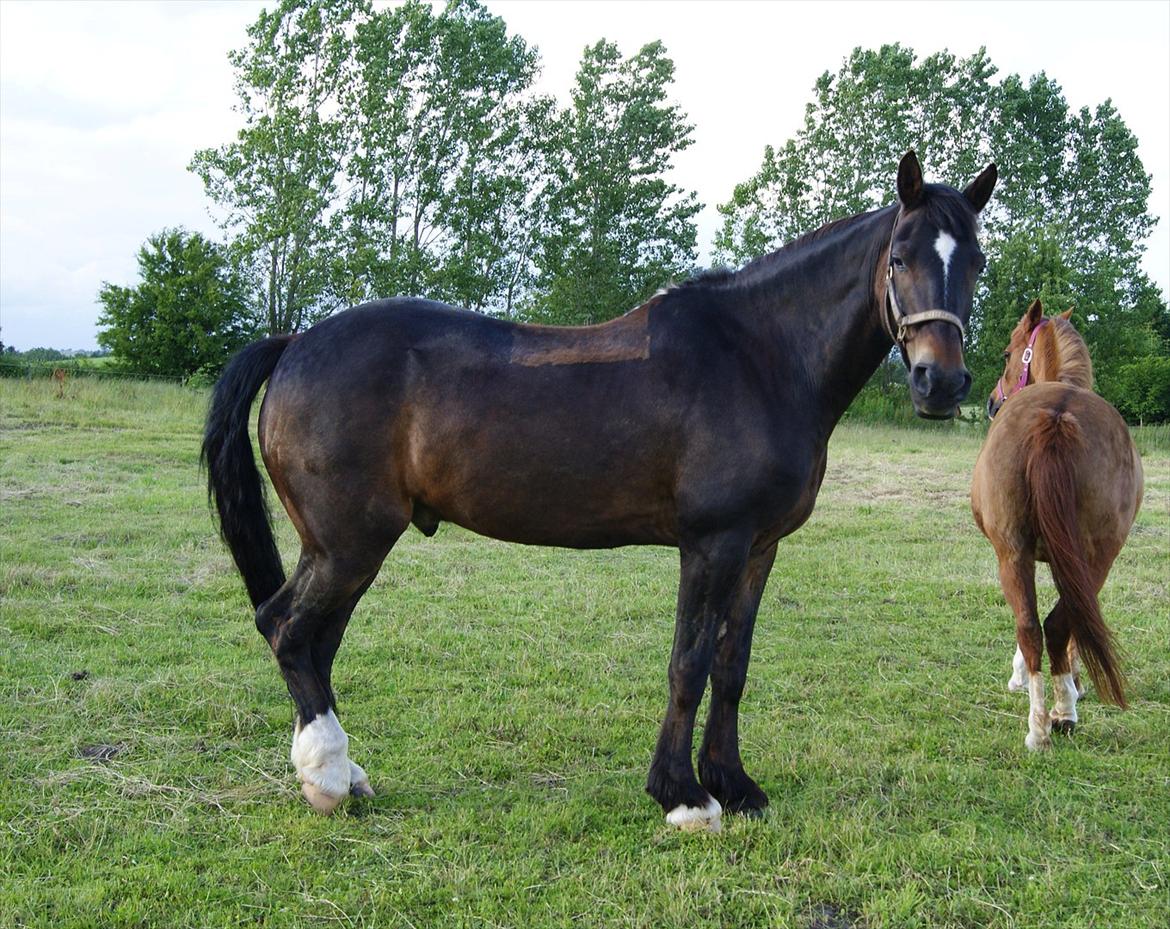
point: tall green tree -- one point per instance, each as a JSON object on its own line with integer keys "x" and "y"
{"x": 859, "y": 124}
{"x": 1068, "y": 222}
{"x": 441, "y": 194}
{"x": 277, "y": 182}
{"x": 616, "y": 228}
{"x": 188, "y": 314}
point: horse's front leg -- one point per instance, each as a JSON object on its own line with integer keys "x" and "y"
{"x": 712, "y": 569}
{"x": 720, "y": 766}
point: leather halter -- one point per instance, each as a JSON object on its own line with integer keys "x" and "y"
{"x": 898, "y": 324}
{"x": 1026, "y": 358}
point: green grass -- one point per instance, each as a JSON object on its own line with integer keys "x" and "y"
{"x": 505, "y": 701}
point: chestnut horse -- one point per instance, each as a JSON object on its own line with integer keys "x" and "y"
{"x": 699, "y": 420}
{"x": 1058, "y": 480}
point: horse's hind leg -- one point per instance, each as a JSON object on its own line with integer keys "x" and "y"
{"x": 1019, "y": 680}
{"x": 720, "y": 766}
{"x": 1060, "y": 654}
{"x": 1074, "y": 663}
{"x": 324, "y": 650}
{"x": 1017, "y": 577}
{"x": 309, "y": 612}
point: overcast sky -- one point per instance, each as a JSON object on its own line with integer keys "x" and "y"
{"x": 102, "y": 105}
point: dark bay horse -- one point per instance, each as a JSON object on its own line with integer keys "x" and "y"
{"x": 698, "y": 420}
{"x": 1058, "y": 480}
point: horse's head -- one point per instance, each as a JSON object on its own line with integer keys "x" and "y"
{"x": 1025, "y": 361}
{"x": 933, "y": 261}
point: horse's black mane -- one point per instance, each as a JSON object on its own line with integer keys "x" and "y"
{"x": 709, "y": 276}
{"x": 945, "y": 207}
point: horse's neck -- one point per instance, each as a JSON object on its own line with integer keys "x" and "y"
{"x": 821, "y": 307}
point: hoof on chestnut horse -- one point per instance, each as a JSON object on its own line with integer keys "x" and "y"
{"x": 320, "y": 801}
{"x": 359, "y": 783}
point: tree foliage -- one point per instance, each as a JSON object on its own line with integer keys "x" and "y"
{"x": 446, "y": 137}
{"x": 188, "y": 313}
{"x": 403, "y": 151}
{"x": 277, "y": 182}
{"x": 1068, "y": 221}
{"x": 616, "y": 228}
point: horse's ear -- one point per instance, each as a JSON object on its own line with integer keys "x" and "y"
{"x": 978, "y": 192}
{"x": 909, "y": 181}
{"x": 1034, "y": 315}
{"x": 1067, "y": 314}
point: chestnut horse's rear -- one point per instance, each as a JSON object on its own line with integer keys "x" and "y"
{"x": 1058, "y": 480}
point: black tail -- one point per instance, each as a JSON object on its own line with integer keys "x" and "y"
{"x": 233, "y": 481}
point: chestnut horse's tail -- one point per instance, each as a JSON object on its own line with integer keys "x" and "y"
{"x": 233, "y": 480}
{"x": 1053, "y": 442}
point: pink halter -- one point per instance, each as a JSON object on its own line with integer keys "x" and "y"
{"x": 1026, "y": 358}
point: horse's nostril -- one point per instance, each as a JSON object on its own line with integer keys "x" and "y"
{"x": 920, "y": 378}
{"x": 965, "y": 387}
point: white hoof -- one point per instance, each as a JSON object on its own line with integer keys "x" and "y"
{"x": 1017, "y": 685}
{"x": 697, "y": 818}
{"x": 320, "y": 801}
{"x": 1037, "y": 743}
{"x": 319, "y": 755}
{"x": 359, "y": 783}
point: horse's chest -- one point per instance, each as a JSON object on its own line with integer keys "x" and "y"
{"x": 778, "y": 486}
{"x": 796, "y": 485}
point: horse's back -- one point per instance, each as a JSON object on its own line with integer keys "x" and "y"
{"x": 1094, "y": 448}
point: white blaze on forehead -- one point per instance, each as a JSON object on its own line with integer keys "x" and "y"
{"x": 945, "y": 246}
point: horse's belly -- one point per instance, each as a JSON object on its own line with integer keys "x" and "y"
{"x": 547, "y": 486}
{"x": 537, "y": 512}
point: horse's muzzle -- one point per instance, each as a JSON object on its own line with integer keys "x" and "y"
{"x": 937, "y": 391}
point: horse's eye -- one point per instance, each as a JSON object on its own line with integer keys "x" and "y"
{"x": 1007, "y": 356}
{"x": 898, "y": 263}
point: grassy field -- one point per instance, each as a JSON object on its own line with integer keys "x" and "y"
{"x": 505, "y": 701}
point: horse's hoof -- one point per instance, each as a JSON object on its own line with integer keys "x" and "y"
{"x": 706, "y": 818}
{"x": 1064, "y": 726}
{"x": 1035, "y": 743}
{"x": 750, "y": 802}
{"x": 1016, "y": 686}
{"x": 361, "y": 789}
{"x": 359, "y": 783}
{"x": 320, "y": 801}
